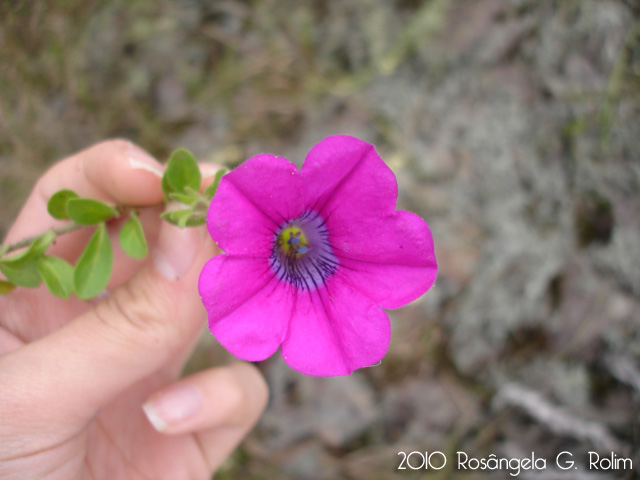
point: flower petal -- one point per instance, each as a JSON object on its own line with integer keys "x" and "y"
{"x": 345, "y": 180}
{"x": 390, "y": 259}
{"x": 248, "y": 308}
{"x": 252, "y": 201}
{"x": 335, "y": 331}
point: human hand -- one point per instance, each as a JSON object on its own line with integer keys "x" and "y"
{"x": 74, "y": 374}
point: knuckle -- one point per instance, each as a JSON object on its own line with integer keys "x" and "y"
{"x": 258, "y": 385}
{"x": 260, "y": 391}
{"x": 234, "y": 391}
{"x": 44, "y": 187}
{"x": 114, "y": 144}
{"x": 233, "y": 397}
{"x": 138, "y": 313}
{"x": 245, "y": 392}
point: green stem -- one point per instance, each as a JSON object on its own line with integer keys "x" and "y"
{"x": 4, "y": 249}
{"x": 201, "y": 208}
{"x": 71, "y": 227}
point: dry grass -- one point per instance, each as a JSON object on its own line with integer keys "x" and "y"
{"x": 537, "y": 101}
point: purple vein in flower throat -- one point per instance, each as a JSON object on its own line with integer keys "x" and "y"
{"x": 301, "y": 252}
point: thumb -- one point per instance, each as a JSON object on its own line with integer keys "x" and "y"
{"x": 140, "y": 328}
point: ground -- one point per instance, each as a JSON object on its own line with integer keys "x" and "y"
{"x": 512, "y": 127}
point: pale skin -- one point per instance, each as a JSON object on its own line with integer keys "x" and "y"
{"x": 74, "y": 374}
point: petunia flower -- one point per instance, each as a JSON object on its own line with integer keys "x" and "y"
{"x": 312, "y": 257}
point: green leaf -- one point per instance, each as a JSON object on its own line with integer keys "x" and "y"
{"x": 93, "y": 269}
{"x": 210, "y": 191}
{"x": 6, "y": 287}
{"x": 183, "y": 218}
{"x": 182, "y": 171}
{"x": 57, "y": 275}
{"x": 57, "y": 205}
{"x": 36, "y": 249}
{"x": 21, "y": 269}
{"x": 132, "y": 238}
{"x": 88, "y": 211}
{"x": 186, "y": 199}
{"x": 21, "y": 274}
{"x": 41, "y": 243}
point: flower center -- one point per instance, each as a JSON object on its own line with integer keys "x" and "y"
{"x": 301, "y": 252}
{"x": 293, "y": 241}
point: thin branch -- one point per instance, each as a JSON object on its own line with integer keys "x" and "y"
{"x": 556, "y": 418}
{"x": 73, "y": 226}
{"x": 122, "y": 210}
{"x": 4, "y": 249}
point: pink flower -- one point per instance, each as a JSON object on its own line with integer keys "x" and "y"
{"x": 311, "y": 257}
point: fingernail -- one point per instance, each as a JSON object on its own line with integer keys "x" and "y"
{"x": 141, "y": 160}
{"x": 176, "y": 250}
{"x": 173, "y": 406}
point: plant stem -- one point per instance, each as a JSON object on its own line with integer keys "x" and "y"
{"x": 4, "y": 249}
{"x": 122, "y": 209}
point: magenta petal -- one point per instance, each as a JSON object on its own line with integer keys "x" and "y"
{"x": 346, "y": 180}
{"x": 391, "y": 259}
{"x": 252, "y": 201}
{"x": 248, "y": 309}
{"x": 388, "y": 254}
{"x": 335, "y": 330}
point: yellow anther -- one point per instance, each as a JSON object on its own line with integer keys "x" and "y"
{"x": 293, "y": 241}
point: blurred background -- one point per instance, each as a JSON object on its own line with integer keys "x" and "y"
{"x": 513, "y": 128}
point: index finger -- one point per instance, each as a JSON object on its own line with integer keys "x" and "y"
{"x": 114, "y": 171}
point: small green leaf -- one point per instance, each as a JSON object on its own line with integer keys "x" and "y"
{"x": 36, "y": 249}
{"x": 210, "y": 191}
{"x": 182, "y": 171}
{"x": 183, "y": 198}
{"x": 183, "y": 218}
{"x": 21, "y": 269}
{"x": 88, "y": 211}
{"x": 57, "y": 275}
{"x": 41, "y": 243}
{"x": 21, "y": 274}
{"x": 177, "y": 217}
{"x": 6, "y": 287}
{"x": 132, "y": 238}
{"x": 93, "y": 269}
{"x": 57, "y": 205}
